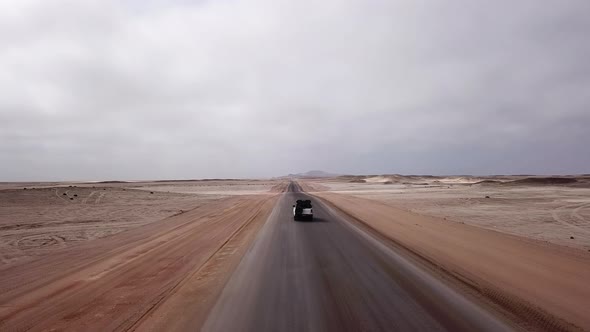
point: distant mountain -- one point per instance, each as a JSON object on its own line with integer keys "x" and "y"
{"x": 312, "y": 174}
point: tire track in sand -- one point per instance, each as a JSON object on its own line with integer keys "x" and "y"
{"x": 576, "y": 214}
{"x": 85, "y": 200}
{"x": 576, "y": 207}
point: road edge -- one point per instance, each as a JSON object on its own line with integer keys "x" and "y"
{"x": 239, "y": 241}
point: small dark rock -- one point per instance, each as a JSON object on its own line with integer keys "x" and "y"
{"x": 571, "y": 237}
{"x": 24, "y": 188}
{"x": 64, "y": 194}
{"x": 75, "y": 195}
{"x": 71, "y": 198}
{"x": 487, "y": 196}
{"x": 151, "y": 192}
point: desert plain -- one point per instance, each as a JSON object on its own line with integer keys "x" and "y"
{"x": 156, "y": 255}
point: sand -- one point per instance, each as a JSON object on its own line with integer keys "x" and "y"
{"x": 553, "y": 213}
{"x": 106, "y": 262}
{"x": 49, "y": 216}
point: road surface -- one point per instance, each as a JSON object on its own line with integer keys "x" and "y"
{"x": 328, "y": 275}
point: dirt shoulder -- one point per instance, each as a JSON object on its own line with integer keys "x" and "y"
{"x": 193, "y": 298}
{"x": 545, "y": 284}
{"x": 114, "y": 282}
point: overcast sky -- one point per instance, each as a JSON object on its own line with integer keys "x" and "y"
{"x": 94, "y": 90}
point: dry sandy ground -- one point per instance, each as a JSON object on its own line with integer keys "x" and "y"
{"x": 119, "y": 257}
{"x": 37, "y": 221}
{"x": 553, "y": 213}
{"x": 213, "y": 187}
{"x": 544, "y": 282}
{"x": 106, "y": 259}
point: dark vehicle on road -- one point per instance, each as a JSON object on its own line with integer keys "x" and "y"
{"x": 303, "y": 210}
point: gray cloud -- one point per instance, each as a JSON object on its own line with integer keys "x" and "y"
{"x": 187, "y": 89}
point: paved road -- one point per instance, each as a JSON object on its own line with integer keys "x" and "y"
{"x": 327, "y": 275}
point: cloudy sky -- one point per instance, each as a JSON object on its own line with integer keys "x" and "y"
{"x": 137, "y": 89}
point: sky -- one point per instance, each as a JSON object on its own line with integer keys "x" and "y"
{"x": 132, "y": 89}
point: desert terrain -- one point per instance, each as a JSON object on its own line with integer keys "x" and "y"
{"x": 37, "y": 218}
{"x": 555, "y": 211}
{"x": 521, "y": 242}
{"x": 384, "y": 252}
{"x": 99, "y": 256}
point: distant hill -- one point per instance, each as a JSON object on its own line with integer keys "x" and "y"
{"x": 311, "y": 174}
